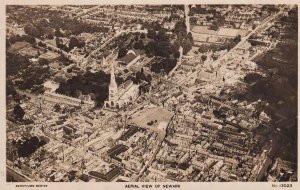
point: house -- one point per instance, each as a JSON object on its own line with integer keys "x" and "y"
{"x": 130, "y": 58}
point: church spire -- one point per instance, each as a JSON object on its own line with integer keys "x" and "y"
{"x": 113, "y": 83}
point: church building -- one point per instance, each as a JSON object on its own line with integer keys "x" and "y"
{"x": 122, "y": 95}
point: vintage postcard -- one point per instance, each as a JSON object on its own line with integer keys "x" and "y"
{"x": 150, "y": 95}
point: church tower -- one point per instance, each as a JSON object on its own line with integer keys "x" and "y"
{"x": 113, "y": 88}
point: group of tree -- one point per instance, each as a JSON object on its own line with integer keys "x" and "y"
{"x": 121, "y": 41}
{"x": 16, "y": 63}
{"x": 252, "y": 77}
{"x": 160, "y": 45}
{"x": 201, "y": 10}
{"x": 29, "y": 146}
{"x": 217, "y": 22}
{"x": 43, "y": 61}
{"x": 33, "y": 78}
{"x": 163, "y": 66}
{"x": 74, "y": 42}
{"x": 183, "y": 39}
{"x": 172, "y": 17}
{"x": 276, "y": 86}
{"x": 139, "y": 45}
{"x": 10, "y": 89}
{"x": 292, "y": 20}
{"x": 18, "y": 112}
{"x": 33, "y": 31}
{"x": 155, "y": 25}
{"x": 95, "y": 83}
{"x": 157, "y": 44}
{"x": 42, "y": 44}
{"x": 203, "y": 57}
{"x": 273, "y": 59}
{"x": 56, "y": 108}
{"x": 53, "y": 25}
{"x": 64, "y": 60}
{"x": 158, "y": 48}
{"x": 270, "y": 8}
{"x": 140, "y": 76}
{"x": 136, "y": 41}
{"x": 219, "y": 114}
{"x": 17, "y": 38}
{"x": 142, "y": 79}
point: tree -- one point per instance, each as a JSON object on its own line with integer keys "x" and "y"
{"x": 237, "y": 39}
{"x": 10, "y": 89}
{"x": 41, "y": 44}
{"x": 57, "y": 33}
{"x": 18, "y": 112}
{"x": 203, "y": 48}
{"x": 252, "y": 77}
{"x": 214, "y": 27}
{"x": 29, "y": 39}
{"x": 16, "y": 63}
{"x": 122, "y": 52}
{"x": 176, "y": 54}
{"x": 214, "y": 57}
{"x": 149, "y": 78}
{"x": 179, "y": 27}
{"x": 165, "y": 65}
{"x": 153, "y": 26}
{"x": 31, "y": 30}
{"x": 140, "y": 76}
{"x": 150, "y": 48}
{"x": 142, "y": 36}
{"x": 29, "y": 146}
{"x": 208, "y": 18}
{"x": 74, "y": 42}
{"x": 43, "y": 61}
{"x": 28, "y": 28}
{"x": 136, "y": 38}
{"x": 50, "y": 36}
{"x": 57, "y": 107}
{"x": 190, "y": 36}
{"x": 138, "y": 45}
{"x": 203, "y": 57}
{"x": 161, "y": 36}
{"x": 111, "y": 142}
{"x": 151, "y": 34}
{"x": 187, "y": 45}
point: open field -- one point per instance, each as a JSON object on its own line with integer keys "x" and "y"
{"x": 157, "y": 114}
{"x": 18, "y": 46}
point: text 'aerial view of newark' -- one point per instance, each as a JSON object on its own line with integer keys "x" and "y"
{"x": 151, "y": 93}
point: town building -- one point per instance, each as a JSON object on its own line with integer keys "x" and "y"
{"x": 130, "y": 58}
{"x": 122, "y": 95}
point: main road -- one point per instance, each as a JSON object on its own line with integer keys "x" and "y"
{"x": 187, "y": 18}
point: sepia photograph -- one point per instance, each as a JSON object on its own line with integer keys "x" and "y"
{"x": 151, "y": 93}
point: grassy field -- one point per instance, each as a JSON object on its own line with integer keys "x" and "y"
{"x": 18, "y": 46}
